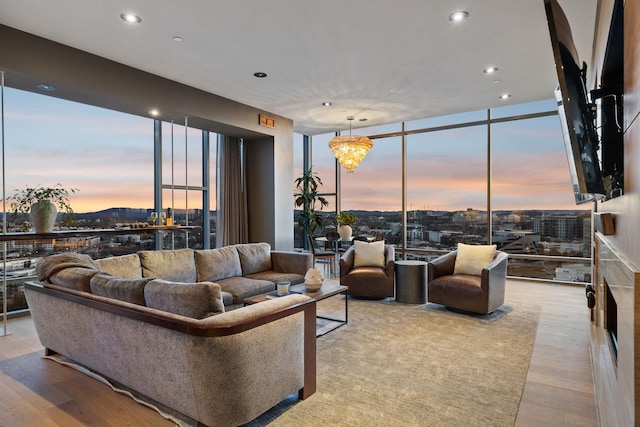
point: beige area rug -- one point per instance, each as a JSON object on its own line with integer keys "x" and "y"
{"x": 405, "y": 365}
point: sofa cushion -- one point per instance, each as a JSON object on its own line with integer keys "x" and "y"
{"x": 215, "y": 264}
{"x": 254, "y": 257}
{"x": 173, "y": 265}
{"x": 78, "y": 278}
{"x": 368, "y": 254}
{"x": 275, "y": 277}
{"x": 471, "y": 259}
{"x": 129, "y": 290}
{"x": 196, "y": 300}
{"x": 243, "y": 287}
{"x": 125, "y": 266}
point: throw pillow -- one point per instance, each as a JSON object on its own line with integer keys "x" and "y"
{"x": 254, "y": 257}
{"x": 175, "y": 265}
{"x": 124, "y": 266}
{"x": 368, "y": 254}
{"x": 128, "y": 290}
{"x": 216, "y": 264}
{"x": 196, "y": 300}
{"x": 471, "y": 259}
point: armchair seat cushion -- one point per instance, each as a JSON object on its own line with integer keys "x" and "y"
{"x": 367, "y": 273}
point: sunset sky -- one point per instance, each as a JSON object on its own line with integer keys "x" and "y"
{"x": 108, "y": 156}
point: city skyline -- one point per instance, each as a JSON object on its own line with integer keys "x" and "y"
{"x": 108, "y": 156}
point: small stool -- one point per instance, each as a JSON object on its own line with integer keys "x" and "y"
{"x": 411, "y": 282}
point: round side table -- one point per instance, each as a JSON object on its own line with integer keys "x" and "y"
{"x": 411, "y": 282}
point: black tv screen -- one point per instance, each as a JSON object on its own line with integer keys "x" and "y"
{"x": 576, "y": 115}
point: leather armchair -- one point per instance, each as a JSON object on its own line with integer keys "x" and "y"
{"x": 478, "y": 294}
{"x": 368, "y": 282}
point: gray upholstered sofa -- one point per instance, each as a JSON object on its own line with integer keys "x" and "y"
{"x": 174, "y": 341}
{"x": 242, "y": 270}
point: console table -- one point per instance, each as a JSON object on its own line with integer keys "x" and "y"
{"x": 65, "y": 234}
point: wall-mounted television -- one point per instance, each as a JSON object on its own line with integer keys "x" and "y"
{"x": 576, "y": 112}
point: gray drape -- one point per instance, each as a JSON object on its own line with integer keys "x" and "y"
{"x": 231, "y": 210}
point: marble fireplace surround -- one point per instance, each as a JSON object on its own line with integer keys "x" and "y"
{"x": 616, "y": 378}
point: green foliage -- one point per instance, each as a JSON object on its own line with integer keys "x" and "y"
{"x": 346, "y": 218}
{"x": 22, "y": 200}
{"x": 307, "y": 197}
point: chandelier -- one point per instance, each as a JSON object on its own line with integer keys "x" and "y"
{"x": 350, "y": 149}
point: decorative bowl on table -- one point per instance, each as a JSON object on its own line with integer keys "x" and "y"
{"x": 313, "y": 280}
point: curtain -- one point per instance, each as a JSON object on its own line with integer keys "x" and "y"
{"x": 231, "y": 211}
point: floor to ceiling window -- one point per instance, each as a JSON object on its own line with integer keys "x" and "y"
{"x": 446, "y": 187}
{"x": 185, "y": 185}
{"x": 450, "y": 189}
{"x": 534, "y": 212}
{"x": 108, "y": 157}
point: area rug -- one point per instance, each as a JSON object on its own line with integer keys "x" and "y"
{"x": 397, "y": 364}
{"x": 404, "y": 365}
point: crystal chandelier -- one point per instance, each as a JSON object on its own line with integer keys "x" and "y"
{"x": 350, "y": 149}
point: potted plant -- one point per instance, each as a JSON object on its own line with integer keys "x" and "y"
{"x": 308, "y": 198}
{"x": 345, "y": 221}
{"x": 42, "y": 205}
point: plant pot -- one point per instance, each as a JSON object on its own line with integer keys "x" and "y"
{"x": 43, "y": 216}
{"x": 345, "y": 232}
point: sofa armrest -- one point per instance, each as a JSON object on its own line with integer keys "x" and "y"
{"x": 291, "y": 262}
{"x": 441, "y": 266}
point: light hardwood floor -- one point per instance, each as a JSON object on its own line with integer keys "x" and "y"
{"x": 558, "y": 390}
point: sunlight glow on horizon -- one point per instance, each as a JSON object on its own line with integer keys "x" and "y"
{"x": 108, "y": 156}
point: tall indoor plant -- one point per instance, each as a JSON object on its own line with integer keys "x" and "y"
{"x": 42, "y": 205}
{"x": 308, "y": 198}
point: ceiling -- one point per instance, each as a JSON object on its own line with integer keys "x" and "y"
{"x": 381, "y": 61}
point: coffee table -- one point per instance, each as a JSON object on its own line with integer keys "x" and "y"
{"x": 326, "y": 291}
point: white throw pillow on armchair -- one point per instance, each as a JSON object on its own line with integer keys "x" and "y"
{"x": 368, "y": 254}
{"x": 471, "y": 259}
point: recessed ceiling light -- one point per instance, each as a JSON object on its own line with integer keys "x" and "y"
{"x": 177, "y": 38}
{"x": 490, "y": 70}
{"x": 458, "y": 16}
{"x": 364, "y": 119}
{"x": 327, "y": 104}
{"x": 260, "y": 75}
{"x": 505, "y": 96}
{"x": 46, "y": 88}
{"x": 395, "y": 90}
{"x": 130, "y": 18}
{"x": 154, "y": 113}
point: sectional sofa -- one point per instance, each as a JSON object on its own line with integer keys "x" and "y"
{"x": 160, "y": 325}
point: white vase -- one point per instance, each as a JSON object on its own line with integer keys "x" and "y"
{"x": 345, "y": 232}
{"x": 43, "y": 216}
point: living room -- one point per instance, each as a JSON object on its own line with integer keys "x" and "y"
{"x": 277, "y": 154}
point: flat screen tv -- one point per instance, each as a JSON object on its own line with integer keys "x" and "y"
{"x": 576, "y": 116}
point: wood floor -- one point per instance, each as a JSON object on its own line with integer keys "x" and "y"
{"x": 558, "y": 389}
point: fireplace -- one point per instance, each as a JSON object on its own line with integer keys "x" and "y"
{"x": 615, "y": 351}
